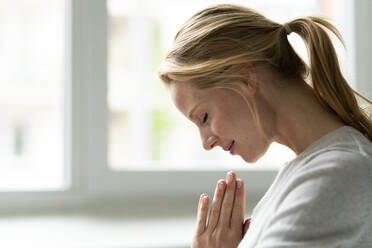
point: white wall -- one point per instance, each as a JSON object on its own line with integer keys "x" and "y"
{"x": 363, "y": 47}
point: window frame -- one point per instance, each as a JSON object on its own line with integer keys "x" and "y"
{"x": 88, "y": 175}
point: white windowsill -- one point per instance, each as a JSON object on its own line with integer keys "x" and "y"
{"x": 85, "y": 231}
{"x": 165, "y": 224}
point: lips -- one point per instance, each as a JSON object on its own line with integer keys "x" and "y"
{"x": 231, "y": 147}
{"x": 227, "y": 148}
{"x": 232, "y": 143}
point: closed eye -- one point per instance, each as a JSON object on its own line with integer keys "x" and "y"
{"x": 205, "y": 118}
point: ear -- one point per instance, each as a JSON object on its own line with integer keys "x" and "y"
{"x": 251, "y": 82}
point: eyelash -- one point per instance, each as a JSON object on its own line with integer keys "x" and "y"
{"x": 205, "y": 118}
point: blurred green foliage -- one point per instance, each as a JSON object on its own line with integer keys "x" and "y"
{"x": 161, "y": 119}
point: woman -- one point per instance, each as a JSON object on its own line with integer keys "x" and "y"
{"x": 234, "y": 74}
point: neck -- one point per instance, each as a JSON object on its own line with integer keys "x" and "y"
{"x": 301, "y": 119}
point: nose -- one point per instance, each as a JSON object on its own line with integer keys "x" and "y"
{"x": 209, "y": 142}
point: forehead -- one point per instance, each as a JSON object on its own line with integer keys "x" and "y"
{"x": 181, "y": 91}
{"x": 185, "y": 96}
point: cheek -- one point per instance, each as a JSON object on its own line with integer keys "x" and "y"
{"x": 219, "y": 126}
{"x": 226, "y": 123}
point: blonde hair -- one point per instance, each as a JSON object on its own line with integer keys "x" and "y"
{"x": 214, "y": 40}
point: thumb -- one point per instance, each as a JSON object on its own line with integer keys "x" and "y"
{"x": 247, "y": 222}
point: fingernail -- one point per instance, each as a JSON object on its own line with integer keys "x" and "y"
{"x": 239, "y": 183}
{"x": 221, "y": 185}
{"x": 205, "y": 200}
{"x": 230, "y": 176}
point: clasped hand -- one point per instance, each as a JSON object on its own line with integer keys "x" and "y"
{"x": 226, "y": 226}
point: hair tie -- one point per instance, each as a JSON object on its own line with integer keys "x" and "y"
{"x": 287, "y": 29}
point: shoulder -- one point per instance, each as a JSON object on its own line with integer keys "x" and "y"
{"x": 327, "y": 199}
{"x": 332, "y": 177}
{"x": 342, "y": 150}
{"x": 340, "y": 167}
{"x": 324, "y": 198}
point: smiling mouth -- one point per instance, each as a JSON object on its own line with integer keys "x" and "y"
{"x": 231, "y": 145}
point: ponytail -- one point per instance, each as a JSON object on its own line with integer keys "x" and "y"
{"x": 329, "y": 85}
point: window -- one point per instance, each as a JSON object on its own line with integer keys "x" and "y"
{"x": 31, "y": 95}
{"x": 146, "y": 132}
{"x": 67, "y": 116}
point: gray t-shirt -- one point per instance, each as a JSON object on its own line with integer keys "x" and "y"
{"x": 322, "y": 198}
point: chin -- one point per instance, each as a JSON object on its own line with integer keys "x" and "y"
{"x": 250, "y": 161}
{"x": 253, "y": 153}
{"x": 251, "y": 158}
